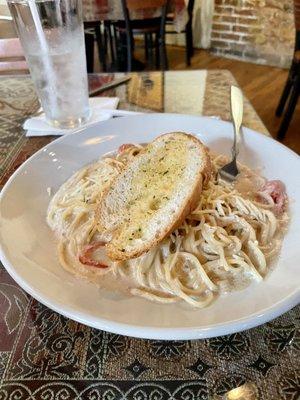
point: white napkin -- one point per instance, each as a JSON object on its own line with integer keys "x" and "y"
{"x": 102, "y": 108}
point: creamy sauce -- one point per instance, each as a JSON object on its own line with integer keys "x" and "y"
{"x": 87, "y": 184}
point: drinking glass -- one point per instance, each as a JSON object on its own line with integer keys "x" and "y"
{"x": 51, "y": 34}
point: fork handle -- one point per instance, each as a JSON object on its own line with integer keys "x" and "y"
{"x": 236, "y": 97}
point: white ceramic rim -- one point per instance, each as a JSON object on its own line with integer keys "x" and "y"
{"x": 184, "y": 333}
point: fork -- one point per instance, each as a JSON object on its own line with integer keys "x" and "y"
{"x": 230, "y": 171}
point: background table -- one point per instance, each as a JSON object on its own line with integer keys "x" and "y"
{"x": 111, "y": 10}
{"x": 46, "y": 356}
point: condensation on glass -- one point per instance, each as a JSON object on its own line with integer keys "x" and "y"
{"x": 51, "y": 33}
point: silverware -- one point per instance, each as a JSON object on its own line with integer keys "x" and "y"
{"x": 110, "y": 85}
{"x": 230, "y": 171}
{"x": 103, "y": 88}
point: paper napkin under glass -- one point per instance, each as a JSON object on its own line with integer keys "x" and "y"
{"x": 101, "y": 110}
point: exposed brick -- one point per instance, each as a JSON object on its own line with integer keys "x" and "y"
{"x": 233, "y": 45}
{"x": 246, "y": 21}
{"x": 224, "y": 10}
{"x": 225, "y": 36}
{"x": 240, "y": 28}
{"x": 245, "y": 38}
{"x": 237, "y": 3}
{"x": 247, "y": 3}
{"x": 234, "y": 53}
{"x": 217, "y": 19}
{"x": 244, "y": 28}
{"x": 227, "y": 53}
{"x": 222, "y": 27}
{"x": 238, "y": 46}
{"x": 232, "y": 2}
{"x": 260, "y": 30}
{"x": 247, "y": 12}
{"x": 233, "y": 48}
{"x": 227, "y": 18}
{"x": 246, "y": 17}
{"x": 219, "y": 43}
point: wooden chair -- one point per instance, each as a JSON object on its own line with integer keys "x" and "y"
{"x": 89, "y": 39}
{"x": 292, "y": 86}
{"x": 146, "y": 27}
{"x": 11, "y": 56}
{"x": 189, "y": 46}
{"x": 100, "y": 32}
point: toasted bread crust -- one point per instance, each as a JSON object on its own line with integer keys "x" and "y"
{"x": 202, "y": 177}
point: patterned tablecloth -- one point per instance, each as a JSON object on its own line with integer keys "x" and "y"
{"x": 46, "y": 356}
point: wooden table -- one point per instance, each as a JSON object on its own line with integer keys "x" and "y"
{"x": 46, "y": 356}
{"x": 111, "y": 10}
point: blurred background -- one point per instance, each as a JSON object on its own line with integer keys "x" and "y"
{"x": 254, "y": 39}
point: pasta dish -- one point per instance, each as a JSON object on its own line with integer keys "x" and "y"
{"x": 227, "y": 241}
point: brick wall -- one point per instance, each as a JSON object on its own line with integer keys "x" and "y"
{"x": 257, "y": 30}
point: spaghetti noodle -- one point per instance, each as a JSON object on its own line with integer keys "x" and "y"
{"x": 228, "y": 240}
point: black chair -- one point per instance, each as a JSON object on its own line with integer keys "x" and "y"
{"x": 89, "y": 50}
{"x": 146, "y": 27}
{"x": 93, "y": 32}
{"x": 189, "y": 46}
{"x": 292, "y": 86}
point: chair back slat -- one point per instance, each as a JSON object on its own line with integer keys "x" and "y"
{"x": 8, "y": 66}
{"x": 134, "y": 5}
{"x": 297, "y": 14}
{"x": 159, "y": 25}
{"x": 11, "y": 55}
{"x": 10, "y": 48}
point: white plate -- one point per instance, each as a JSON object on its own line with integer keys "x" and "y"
{"x": 29, "y": 255}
